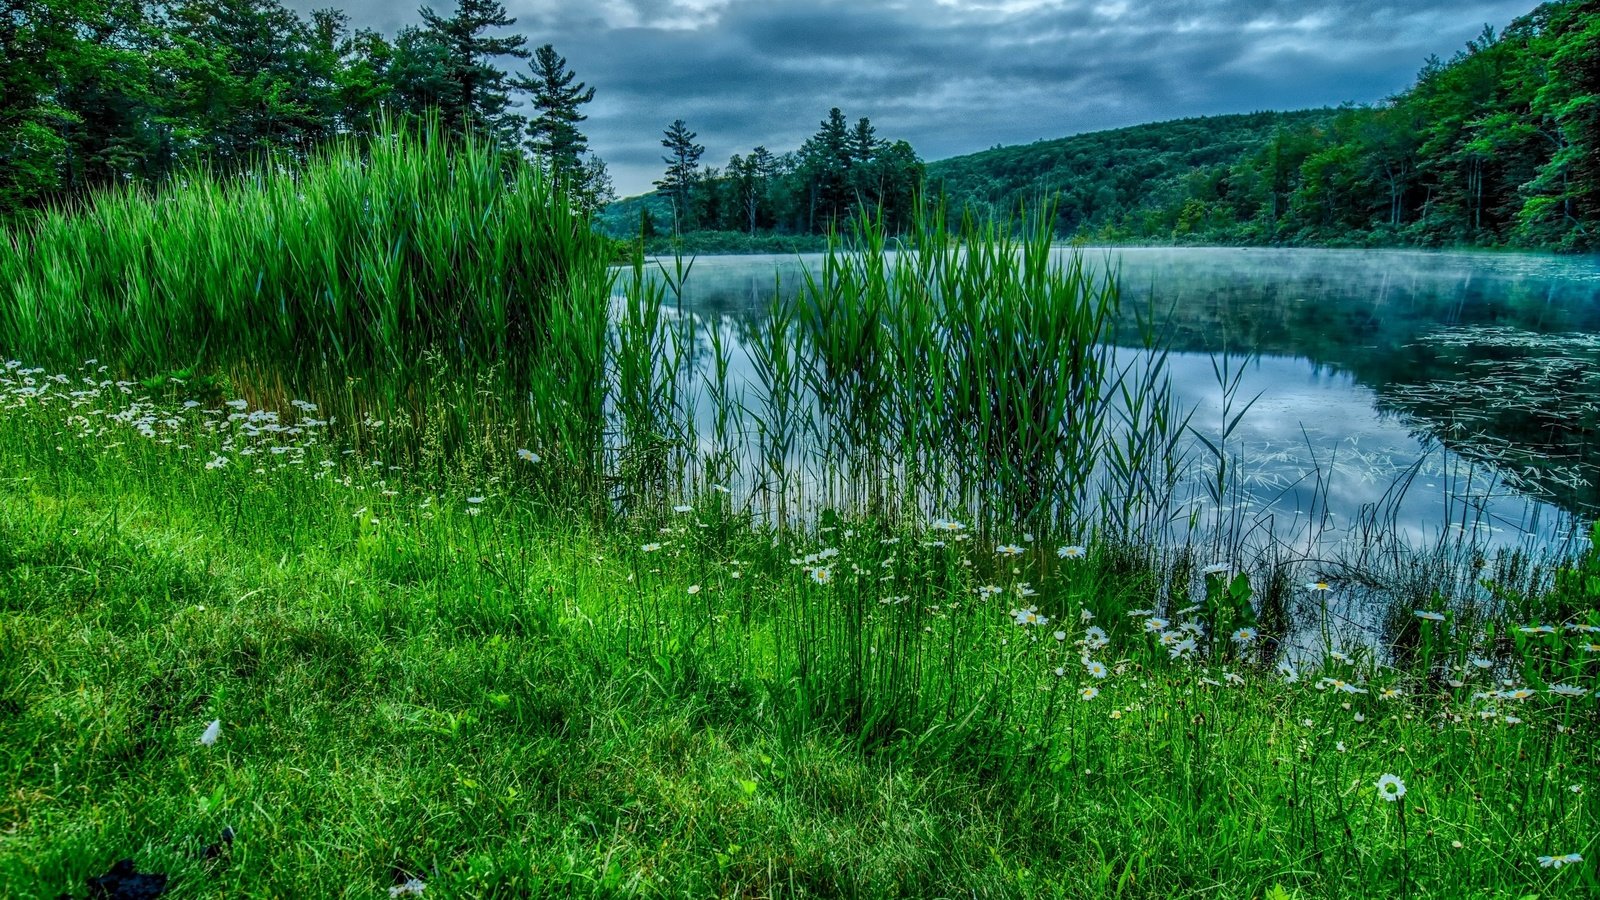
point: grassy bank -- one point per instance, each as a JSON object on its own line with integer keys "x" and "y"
{"x": 485, "y": 694}
{"x": 512, "y": 592}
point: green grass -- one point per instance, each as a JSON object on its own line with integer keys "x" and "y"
{"x": 480, "y": 599}
{"x": 524, "y": 702}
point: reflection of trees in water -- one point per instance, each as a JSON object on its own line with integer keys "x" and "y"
{"x": 1493, "y": 356}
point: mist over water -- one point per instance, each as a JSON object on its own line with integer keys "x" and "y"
{"x": 1442, "y": 393}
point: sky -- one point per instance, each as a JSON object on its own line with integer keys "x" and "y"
{"x": 959, "y": 76}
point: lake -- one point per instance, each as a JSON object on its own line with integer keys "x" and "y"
{"x": 1446, "y": 392}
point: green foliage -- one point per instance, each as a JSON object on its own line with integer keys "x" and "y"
{"x": 1495, "y": 147}
{"x": 366, "y": 257}
{"x": 475, "y": 95}
{"x": 102, "y": 92}
{"x": 1112, "y": 183}
{"x": 838, "y": 175}
{"x": 683, "y": 171}
{"x": 491, "y": 696}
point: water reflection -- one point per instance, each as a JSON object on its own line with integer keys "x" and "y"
{"x": 1473, "y": 377}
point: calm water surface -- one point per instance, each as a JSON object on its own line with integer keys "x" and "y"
{"x": 1470, "y": 380}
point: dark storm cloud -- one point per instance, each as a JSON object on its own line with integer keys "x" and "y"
{"x": 960, "y": 75}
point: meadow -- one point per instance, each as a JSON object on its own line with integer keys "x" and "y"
{"x": 360, "y": 533}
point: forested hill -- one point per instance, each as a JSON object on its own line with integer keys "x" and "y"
{"x": 1498, "y": 146}
{"x": 1098, "y": 179}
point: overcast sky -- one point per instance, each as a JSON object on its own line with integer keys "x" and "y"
{"x": 956, "y": 76}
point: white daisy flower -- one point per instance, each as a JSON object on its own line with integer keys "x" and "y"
{"x": 1391, "y": 788}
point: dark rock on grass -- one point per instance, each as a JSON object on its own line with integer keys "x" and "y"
{"x": 213, "y": 851}
{"x": 123, "y": 883}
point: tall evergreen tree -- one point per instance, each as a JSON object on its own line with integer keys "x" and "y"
{"x": 864, "y": 143}
{"x": 553, "y": 135}
{"x": 683, "y": 168}
{"x": 476, "y": 97}
{"x": 827, "y": 159}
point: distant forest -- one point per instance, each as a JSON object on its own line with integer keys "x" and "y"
{"x": 1498, "y": 146}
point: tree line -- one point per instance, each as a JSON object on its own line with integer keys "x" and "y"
{"x": 840, "y": 171}
{"x": 97, "y": 92}
{"x": 1500, "y": 145}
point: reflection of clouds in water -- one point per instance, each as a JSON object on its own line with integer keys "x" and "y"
{"x": 1313, "y": 443}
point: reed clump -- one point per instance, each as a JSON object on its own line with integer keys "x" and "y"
{"x": 362, "y": 257}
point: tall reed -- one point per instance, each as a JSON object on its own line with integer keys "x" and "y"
{"x": 363, "y": 257}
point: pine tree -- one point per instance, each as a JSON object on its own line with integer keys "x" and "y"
{"x": 553, "y": 135}
{"x": 683, "y": 168}
{"x": 477, "y": 87}
{"x": 828, "y": 158}
{"x": 864, "y": 143}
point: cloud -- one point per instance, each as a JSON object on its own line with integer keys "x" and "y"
{"x": 956, "y": 76}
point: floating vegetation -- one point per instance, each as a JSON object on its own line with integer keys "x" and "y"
{"x": 1530, "y": 407}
